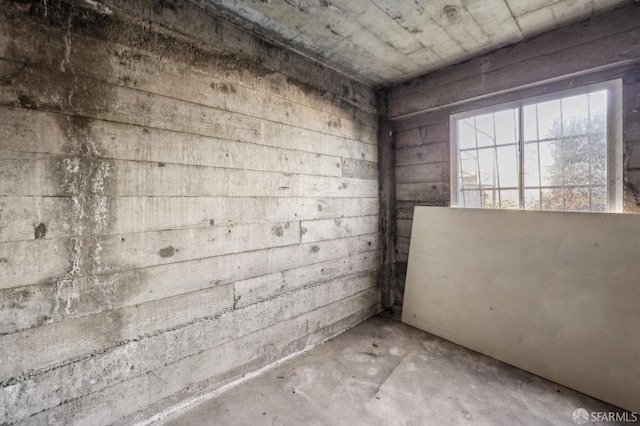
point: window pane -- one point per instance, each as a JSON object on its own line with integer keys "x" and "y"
{"x": 598, "y": 159}
{"x": 488, "y": 171}
{"x": 468, "y": 168}
{"x": 491, "y": 198}
{"x": 576, "y": 174}
{"x": 531, "y": 165}
{"x": 485, "y": 131}
{"x": 598, "y": 107}
{"x": 549, "y": 120}
{"x": 552, "y": 199}
{"x": 506, "y": 127}
{"x": 508, "y": 166}
{"x": 509, "y": 199}
{"x": 575, "y": 115}
{"x": 598, "y": 102}
{"x": 576, "y": 161}
{"x": 470, "y": 199}
{"x": 575, "y": 158}
{"x": 530, "y": 123}
{"x": 466, "y": 133}
{"x": 577, "y": 199}
{"x": 532, "y": 199}
{"x": 598, "y": 199}
{"x": 550, "y": 163}
{"x": 485, "y": 170}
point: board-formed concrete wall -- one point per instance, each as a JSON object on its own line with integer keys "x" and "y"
{"x": 600, "y": 49}
{"x": 180, "y": 203}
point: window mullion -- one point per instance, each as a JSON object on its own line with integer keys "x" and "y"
{"x": 562, "y": 157}
{"x": 496, "y": 168}
{"x": 521, "y": 157}
{"x": 589, "y": 148}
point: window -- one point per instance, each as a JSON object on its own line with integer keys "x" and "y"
{"x": 561, "y": 151}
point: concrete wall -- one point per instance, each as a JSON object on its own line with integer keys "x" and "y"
{"x": 180, "y": 203}
{"x": 596, "y": 50}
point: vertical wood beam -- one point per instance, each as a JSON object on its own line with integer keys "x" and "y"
{"x": 386, "y": 153}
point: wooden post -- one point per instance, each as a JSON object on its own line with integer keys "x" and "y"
{"x": 387, "y": 279}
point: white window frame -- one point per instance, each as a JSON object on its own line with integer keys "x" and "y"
{"x": 614, "y": 138}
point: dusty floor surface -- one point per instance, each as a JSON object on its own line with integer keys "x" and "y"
{"x": 383, "y": 372}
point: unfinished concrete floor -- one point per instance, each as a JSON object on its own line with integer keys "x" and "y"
{"x": 383, "y": 372}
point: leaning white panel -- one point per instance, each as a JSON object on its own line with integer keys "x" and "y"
{"x": 553, "y": 293}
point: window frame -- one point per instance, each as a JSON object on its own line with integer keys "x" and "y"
{"x": 614, "y": 140}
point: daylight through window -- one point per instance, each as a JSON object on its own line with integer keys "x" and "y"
{"x": 558, "y": 152}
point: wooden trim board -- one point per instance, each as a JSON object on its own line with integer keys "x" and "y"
{"x": 554, "y": 293}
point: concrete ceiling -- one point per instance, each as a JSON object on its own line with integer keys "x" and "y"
{"x": 384, "y": 42}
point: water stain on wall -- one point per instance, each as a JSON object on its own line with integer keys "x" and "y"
{"x": 83, "y": 174}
